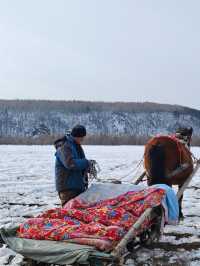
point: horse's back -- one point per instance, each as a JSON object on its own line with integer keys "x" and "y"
{"x": 175, "y": 155}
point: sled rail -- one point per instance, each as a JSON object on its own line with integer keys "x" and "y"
{"x": 185, "y": 185}
{"x": 118, "y": 250}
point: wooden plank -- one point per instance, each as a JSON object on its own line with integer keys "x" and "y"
{"x": 185, "y": 185}
{"x": 118, "y": 250}
{"x": 140, "y": 178}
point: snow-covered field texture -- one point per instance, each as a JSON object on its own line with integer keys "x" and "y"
{"x": 27, "y": 188}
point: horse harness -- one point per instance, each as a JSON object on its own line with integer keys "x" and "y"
{"x": 180, "y": 141}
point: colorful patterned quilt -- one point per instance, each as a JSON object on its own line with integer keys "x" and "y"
{"x": 101, "y": 224}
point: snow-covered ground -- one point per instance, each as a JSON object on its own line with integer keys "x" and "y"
{"x": 27, "y": 188}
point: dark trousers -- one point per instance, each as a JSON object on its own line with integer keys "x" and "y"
{"x": 67, "y": 195}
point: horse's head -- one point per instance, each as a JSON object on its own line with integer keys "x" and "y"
{"x": 185, "y": 134}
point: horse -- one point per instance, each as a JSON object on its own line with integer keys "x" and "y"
{"x": 168, "y": 160}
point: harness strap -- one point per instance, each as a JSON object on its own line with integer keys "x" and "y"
{"x": 179, "y": 144}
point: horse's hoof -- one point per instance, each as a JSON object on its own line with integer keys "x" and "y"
{"x": 1, "y": 240}
{"x": 181, "y": 216}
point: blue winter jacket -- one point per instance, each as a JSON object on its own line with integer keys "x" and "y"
{"x": 70, "y": 167}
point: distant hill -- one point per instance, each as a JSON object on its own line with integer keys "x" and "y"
{"x": 32, "y": 118}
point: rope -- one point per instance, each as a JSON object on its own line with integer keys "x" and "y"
{"x": 93, "y": 171}
{"x": 134, "y": 169}
{"x": 182, "y": 141}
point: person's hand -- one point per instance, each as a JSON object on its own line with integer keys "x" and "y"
{"x": 92, "y": 162}
{"x": 91, "y": 167}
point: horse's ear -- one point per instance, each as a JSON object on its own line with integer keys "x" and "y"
{"x": 191, "y": 131}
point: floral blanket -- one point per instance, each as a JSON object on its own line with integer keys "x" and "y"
{"x": 101, "y": 224}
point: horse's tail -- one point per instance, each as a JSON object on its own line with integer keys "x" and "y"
{"x": 157, "y": 164}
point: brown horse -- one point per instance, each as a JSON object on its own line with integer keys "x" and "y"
{"x": 168, "y": 160}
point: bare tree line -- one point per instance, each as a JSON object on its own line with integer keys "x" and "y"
{"x": 90, "y": 140}
{"x": 87, "y": 106}
{"x": 42, "y": 121}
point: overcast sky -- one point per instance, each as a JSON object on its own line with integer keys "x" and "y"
{"x": 110, "y": 50}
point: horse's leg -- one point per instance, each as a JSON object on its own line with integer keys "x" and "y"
{"x": 180, "y": 205}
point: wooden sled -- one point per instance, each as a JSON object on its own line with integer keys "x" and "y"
{"x": 93, "y": 257}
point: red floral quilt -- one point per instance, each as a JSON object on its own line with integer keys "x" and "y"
{"x": 101, "y": 224}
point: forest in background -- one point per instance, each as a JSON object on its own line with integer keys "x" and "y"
{"x": 40, "y": 122}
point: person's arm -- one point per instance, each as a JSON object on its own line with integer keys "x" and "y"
{"x": 65, "y": 156}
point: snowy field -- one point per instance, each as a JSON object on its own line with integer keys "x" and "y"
{"x": 27, "y": 188}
